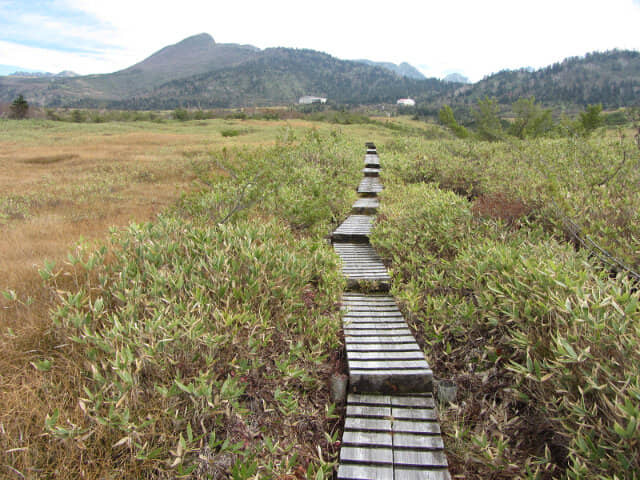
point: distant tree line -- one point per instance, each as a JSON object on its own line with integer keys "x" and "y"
{"x": 527, "y": 119}
{"x": 610, "y": 78}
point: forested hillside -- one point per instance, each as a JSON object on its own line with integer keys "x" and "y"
{"x": 198, "y": 72}
{"x": 281, "y": 75}
{"x": 611, "y": 78}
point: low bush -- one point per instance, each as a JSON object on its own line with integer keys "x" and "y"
{"x": 542, "y": 344}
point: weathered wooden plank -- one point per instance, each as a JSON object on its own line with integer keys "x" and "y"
{"x": 364, "y": 305}
{"x": 368, "y": 411}
{"x": 371, "y": 284}
{"x": 359, "y": 321}
{"x": 364, "y": 312}
{"x": 361, "y": 254}
{"x": 360, "y": 259}
{"x": 368, "y": 424}
{"x": 381, "y": 339}
{"x": 356, "y": 398}
{"x": 415, "y": 355}
{"x": 376, "y": 322}
{"x": 384, "y": 365}
{"x": 412, "y": 413}
{"x": 366, "y": 206}
{"x": 373, "y": 316}
{"x": 425, "y": 401}
{"x": 383, "y": 347}
{"x": 382, "y": 325}
{"x": 415, "y": 458}
{"x": 424, "y": 442}
{"x": 372, "y": 269}
{"x": 356, "y": 268}
{"x": 369, "y": 307}
{"x": 364, "y": 273}
{"x": 409, "y": 473}
{"x": 370, "y": 185}
{"x": 351, "y": 332}
{"x": 367, "y": 311}
{"x": 371, "y": 456}
{"x": 408, "y": 426}
{"x": 354, "y": 228}
{"x": 367, "y": 439}
{"x": 371, "y": 172}
{"x": 376, "y": 332}
{"x": 357, "y": 262}
{"x": 372, "y": 160}
{"x": 360, "y": 304}
{"x": 369, "y": 299}
{"x": 374, "y": 325}
{"x": 365, "y": 472}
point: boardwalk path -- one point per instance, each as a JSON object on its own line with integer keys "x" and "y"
{"x": 391, "y": 428}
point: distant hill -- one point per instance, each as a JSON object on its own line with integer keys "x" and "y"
{"x": 31, "y": 74}
{"x": 404, "y": 69}
{"x": 456, "y": 78}
{"x": 191, "y": 56}
{"x": 199, "y": 72}
{"x": 282, "y": 75}
{"x": 611, "y": 78}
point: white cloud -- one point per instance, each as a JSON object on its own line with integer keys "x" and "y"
{"x": 54, "y": 61}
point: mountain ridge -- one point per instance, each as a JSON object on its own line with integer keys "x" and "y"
{"x": 403, "y": 69}
{"x": 197, "y": 71}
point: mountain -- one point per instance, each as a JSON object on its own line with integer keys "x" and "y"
{"x": 193, "y": 55}
{"x": 456, "y": 78}
{"x": 404, "y": 69}
{"x": 10, "y": 69}
{"x": 200, "y": 72}
{"x": 32, "y": 74}
{"x": 282, "y": 75}
{"x": 611, "y": 78}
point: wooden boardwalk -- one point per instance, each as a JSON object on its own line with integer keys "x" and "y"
{"x": 382, "y": 355}
{"x": 366, "y": 206}
{"x": 355, "y": 228}
{"x": 370, "y": 186}
{"x": 371, "y": 160}
{"x": 362, "y": 265}
{"x": 392, "y": 437}
{"x": 391, "y": 428}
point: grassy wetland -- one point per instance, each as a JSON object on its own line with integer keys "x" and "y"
{"x": 170, "y": 307}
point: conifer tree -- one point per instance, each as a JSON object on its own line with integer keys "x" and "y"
{"x": 19, "y": 107}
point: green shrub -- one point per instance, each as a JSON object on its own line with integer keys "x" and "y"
{"x": 174, "y": 328}
{"x": 181, "y": 114}
{"x": 539, "y": 337}
{"x": 232, "y": 132}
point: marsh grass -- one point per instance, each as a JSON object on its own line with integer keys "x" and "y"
{"x": 539, "y": 338}
{"x": 222, "y": 337}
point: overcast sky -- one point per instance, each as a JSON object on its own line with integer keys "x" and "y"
{"x": 472, "y": 37}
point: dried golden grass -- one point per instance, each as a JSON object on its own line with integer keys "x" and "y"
{"x": 78, "y": 186}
